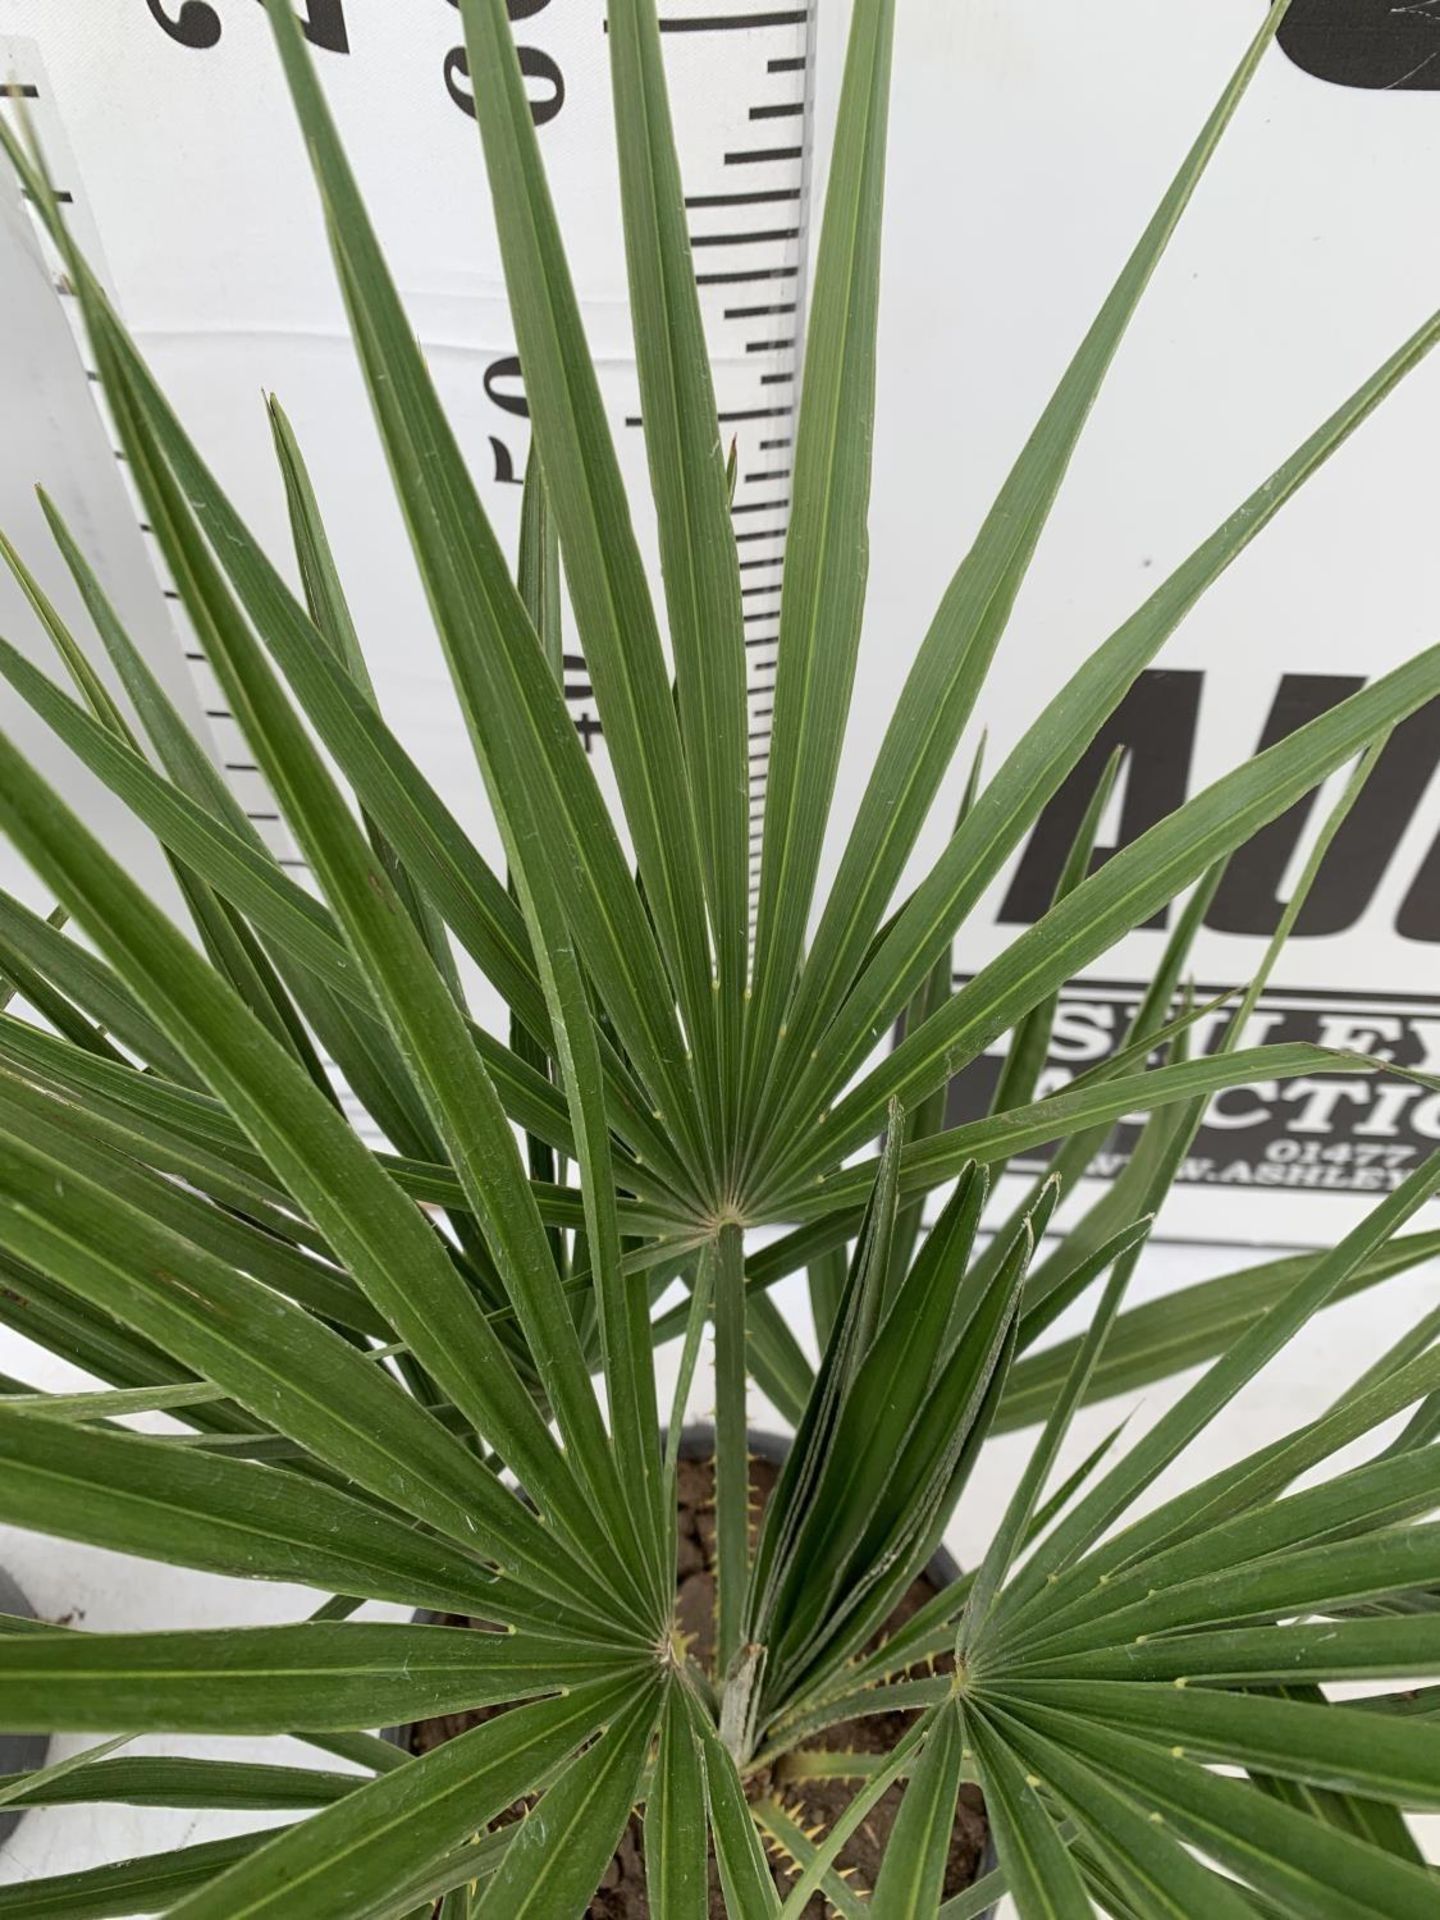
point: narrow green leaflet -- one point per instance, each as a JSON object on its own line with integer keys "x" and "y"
{"x": 621, "y": 1318}
{"x": 104, "y": 1403}
{"x": 822, "y": 599}
{"x": 282, "y": 1363}
{"x": 269, "y": 1679}
{"x": 732, "y": 1451}
{"x": 977, "y": 1901}
{"x": 894, "y": 1763}
{"x": 912, "y": 1875}
{"x": 692, "y": 497}
{"x": 1123, "y": 1252}
{"x": 739, "y": 1856}
{"x": 614, "y": 615}
{"x": 825, "y": 1275}
{"x": 368, "y": 1750}
{"x": 330, "y": 610}
{"x": 136, "y": 1495}
{"x": 927, "y": 1117}
{"x": 1325, "y": 1746}
{"x": 16, "y": 1790}
{"x": 1328, "y": 1650}
{"x": 928, "y": 1163}
{"x": 163, "y": 1780}
{"x": 1312, "y": 1870}
{"x": 1178, "y": 1426}
{"x": 556, "y": 1861}
{"x": 145, "y": 1885}
{"x": 1029, "y": 1047}
{"x": 1040, "y": 1874}
{"x": 1163, "y": 1337}
{"x": 87, "y": 981}
{"x": 1162, "y": 1879}
{"x": 676, "y": 1849}
{"x": 347, "y": 1857}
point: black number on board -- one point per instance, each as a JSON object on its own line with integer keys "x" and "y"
{"x": 546, "y": 98}
{"x": 196, "y": 23}
{"x": 535, "y": 64}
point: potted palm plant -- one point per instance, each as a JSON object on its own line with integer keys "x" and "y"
{"x": 425, "y": 1374}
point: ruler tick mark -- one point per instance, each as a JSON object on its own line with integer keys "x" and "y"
{"x": 743, "y": 239}
{"x": 761, "y": 196}
{"x": 762, "y": 156}
{"x": 732, "y": 22}
{"x": 755, "y": 413}
{"x": 747, "y": 277}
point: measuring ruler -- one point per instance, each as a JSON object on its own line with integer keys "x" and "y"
{"x": 218, "y": 261}
{"x": 747, "y": 192}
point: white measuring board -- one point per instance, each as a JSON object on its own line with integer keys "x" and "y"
{"x": 1028, "y": 148}
{"x": 196, "y": 178}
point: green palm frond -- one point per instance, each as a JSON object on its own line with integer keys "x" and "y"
{"x": 422, "y": 1371}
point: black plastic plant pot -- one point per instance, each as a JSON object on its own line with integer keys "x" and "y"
{"x": 19, "y": 1752}
{"x": 698, "y": 1443}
